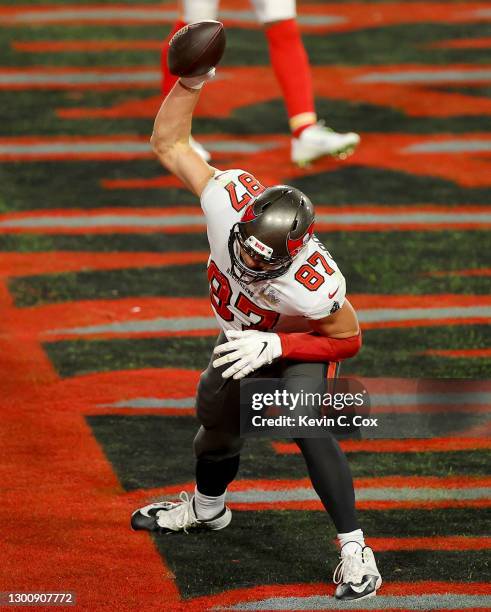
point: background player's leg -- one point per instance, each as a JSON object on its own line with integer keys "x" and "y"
{"x": 292, "y": 69}
{"x": 289, "y": 60}
{"x": 168, "y": 79}
{"x": 191, "y": 10}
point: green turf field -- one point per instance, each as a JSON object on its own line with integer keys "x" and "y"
{"x": 72, "y": 152}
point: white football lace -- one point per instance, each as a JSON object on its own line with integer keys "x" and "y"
{"x": 349, "y": 569}
{"x": 178, "y": 515}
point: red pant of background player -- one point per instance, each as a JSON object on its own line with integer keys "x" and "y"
{"x": 288, "y": 57}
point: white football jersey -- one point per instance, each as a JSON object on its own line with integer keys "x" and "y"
{"x": 312, "y": 288}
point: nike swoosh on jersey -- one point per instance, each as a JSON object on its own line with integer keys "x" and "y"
{"x": 265, "y": 344}
{"x": 331, "y": 295}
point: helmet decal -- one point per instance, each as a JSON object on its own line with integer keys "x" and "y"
{"x": 259, "y": 247}
{"x": 249, "y": 214}
{"x": 294, "y": 246}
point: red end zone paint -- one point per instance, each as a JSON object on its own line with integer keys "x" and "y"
{"x": 56, "y": 467}
{"x": 466, "y": 272}
{"x": 367, "y": 505}
{"x": 98, "y": 392}
{"x": 400, "y": 155}
{"x": 393, "y": 482}
{"x": 470, "y": 171}
{"x": 85, "y": 46}
{"x": 190, "y": 219}
{"x": 461, "y": 43}
{"x": 355, "y": 15}
{"x": 236, "y": 596}
{"x": 398, "y": 446}
{"x": 22, "y": 264}
{"x": 144, "y": 496}
{"x": 40, "y": 320}
{"x": 459, "y": 354}
{"x": 44, "y": 319}
{"x": 421, "y": 99}
{"x": 431, "y": 543}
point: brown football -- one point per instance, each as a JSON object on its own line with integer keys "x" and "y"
{"x": 196, "y": 48}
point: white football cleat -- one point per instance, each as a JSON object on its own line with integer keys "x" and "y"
{"x": 200, "y": 149}
{"x": 318, "y": 140}
{"x": 171, "y": 517}
{"x": 357, "y": 575}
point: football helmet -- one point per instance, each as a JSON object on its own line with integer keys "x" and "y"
{"x": 272, "y": 231}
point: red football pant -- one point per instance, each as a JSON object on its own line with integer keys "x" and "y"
{"x": 290, "y": 64}
{"x": 291, "y": 67}
{"x": 168, "y": 79}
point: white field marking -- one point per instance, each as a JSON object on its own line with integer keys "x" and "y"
{"x": 401, "y": 218}
{"x": 407, "y": 77}
{"x": 181, "y": 324}
{"x": 423, "y": 602}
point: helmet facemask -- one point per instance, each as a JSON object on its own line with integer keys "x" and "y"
{"x": 274, "y": 266}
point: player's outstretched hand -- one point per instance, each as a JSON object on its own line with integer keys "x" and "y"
{"x": 247, "y": 350}
{"x": 197, "y": 82}
{"x": 195, "y": 50}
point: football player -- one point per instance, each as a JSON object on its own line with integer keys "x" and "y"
{"x": 279, "y": 299}
{"x": 310, "y": 138}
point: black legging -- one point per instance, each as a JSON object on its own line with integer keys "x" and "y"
{"x": 328, "y": 469}
{"x": 331, "y": 478}
{"x": 217, "y": 444}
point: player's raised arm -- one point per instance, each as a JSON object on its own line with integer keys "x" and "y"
{"x": 194, "y": 52}
{"x": 170, "y": 138}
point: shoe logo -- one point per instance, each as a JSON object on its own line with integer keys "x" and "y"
{"x": 265, "y": 344}
{"x": 145, "y": 511}
{"x": 361, "y": 587}
{"x": 157, "y": 506}
{"x": 331, "y": 295}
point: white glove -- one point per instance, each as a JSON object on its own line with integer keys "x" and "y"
{"x": 250, "y": 349}
{"x": 197, "y": 82}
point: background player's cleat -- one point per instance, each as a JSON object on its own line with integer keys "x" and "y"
{"x": 171, "y": 517}
{"x": 200, "y": 150}
{"x": 357, "y": 575}
{"x": 318, "y": 140}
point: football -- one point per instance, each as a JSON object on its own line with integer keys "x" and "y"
{"x": 196, "y": 48}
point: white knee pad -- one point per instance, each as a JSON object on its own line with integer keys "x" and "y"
{"x": 274, "y": 10}
{"x": 197, "y": 10}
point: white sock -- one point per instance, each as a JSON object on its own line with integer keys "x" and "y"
{"x": 207, "y": 507}
{"x": 351, "y": 542}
